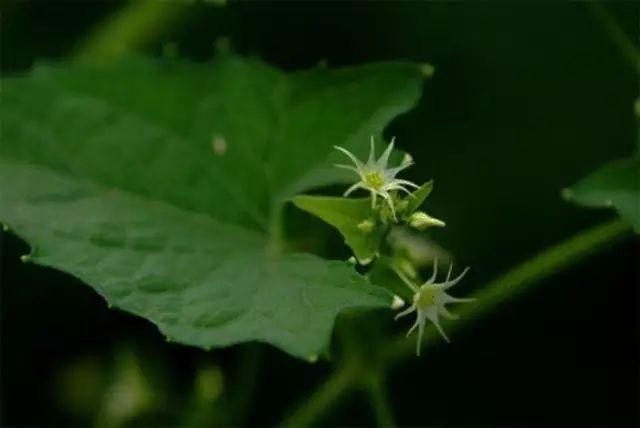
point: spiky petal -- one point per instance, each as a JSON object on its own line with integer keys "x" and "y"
{"x": 429, "y": 302}
{"x": 376, "y": 177}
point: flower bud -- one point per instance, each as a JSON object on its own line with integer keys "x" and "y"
{"x": 421, "y": 220}
{"x": 407, "y": 159}
{"x": 366, "y": 226}
{"x": 397, "y": 302}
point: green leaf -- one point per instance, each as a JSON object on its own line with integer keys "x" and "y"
{"x": 161, "y": 184}
{"x": 419, "y": 196}
{"x": 346, "y": 214}
{"x": 616, "y": 184}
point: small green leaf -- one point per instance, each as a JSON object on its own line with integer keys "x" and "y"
{"x": 419, "y": 196}
{"x": 616, "y": 185}
{"x": 345, "y": 214}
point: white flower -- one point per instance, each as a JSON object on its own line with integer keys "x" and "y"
{"x": 375, "y": 177}
{"x": 429, "y": 302}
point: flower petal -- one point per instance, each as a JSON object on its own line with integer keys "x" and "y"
{"x": 384, "y": 159}
{"x": 393, "y": 186}
{"x": 406, "y": 183}
{"x": 450, "y": 299}
{"x": 431, "y": 313}
{"x": 445, "y": 312}
{"x": 420, "y": 335}
{"x": 351, "y": 156}
{"x": 372, "y": 152}
{"x": 435, "y": 271}
{"x": 450, "y": 283}
{"x": 392, "y": 172}
{"x": 387, "y": 197}
{"x": 351, "y": 189}
{"x": 349, "y": 167}
{"x": 407, "y": 311}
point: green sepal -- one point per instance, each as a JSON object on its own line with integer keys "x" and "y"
{"x": 418, "y": 197}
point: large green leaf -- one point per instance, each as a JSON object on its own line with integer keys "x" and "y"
{"x": 160, "y": 184}
{"x": 616, "y": 185}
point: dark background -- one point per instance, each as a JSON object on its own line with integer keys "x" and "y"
{"x": 527, "y": 98}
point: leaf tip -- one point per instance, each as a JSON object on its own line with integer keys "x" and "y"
{"x": 5, "y": 227}
{"x": 25, "y": 258}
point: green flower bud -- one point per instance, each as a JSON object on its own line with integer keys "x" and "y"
{"x": 421, "y": 220}
{"x": 366, "y": 226}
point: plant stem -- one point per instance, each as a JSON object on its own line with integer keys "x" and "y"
{"x": 337, "y": 385}
{"x": 624, "y": 44}
{"x": 133, "y": 27}
{"x": 508, "y": 286}
{"x": 379, "y": 401}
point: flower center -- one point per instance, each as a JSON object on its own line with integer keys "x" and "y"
{"x": 425, "y": 297}
{"x": 374, "y": 179}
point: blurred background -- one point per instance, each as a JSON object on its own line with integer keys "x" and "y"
{"x": 527, "y": 98}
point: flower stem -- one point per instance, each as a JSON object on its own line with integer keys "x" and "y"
{"x": 134, "y": 26}
{"x": 506, "y": 287}
{"x": 379, "y": 401}
{"x": 337, "y": 385}
{"x": 619, "y": 38}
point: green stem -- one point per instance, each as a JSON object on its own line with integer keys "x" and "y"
{"x": 133, "y": 27}
{"x": 379, "y": 401}
{"x": 337, "y": 385}
{"x": 622, "y": 41}
{"x": 506, "y": 287}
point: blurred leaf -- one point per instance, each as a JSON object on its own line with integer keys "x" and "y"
{"x": 346, "y": 214}
{"x": 160, "y": 184}
{"x": 616, "y": 184}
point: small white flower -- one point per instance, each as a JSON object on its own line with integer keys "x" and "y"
{"x": 429, "y": 302}
{"x": 375, "y": 177}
